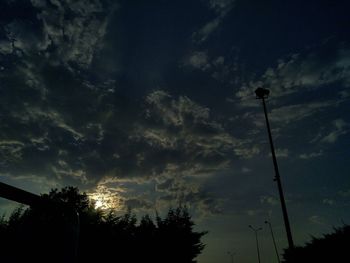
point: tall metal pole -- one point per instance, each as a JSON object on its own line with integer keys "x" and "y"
{"x": 274, "y": 241}
{"x": 257, "y": 242}
{"x": 262, "y": 94}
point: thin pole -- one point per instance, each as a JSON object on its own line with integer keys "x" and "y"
{"x": 274, "y": 241}
{"x": 231, "y": 255}
{"x": 256, "y": 239}
{"x": 278, "y": 180}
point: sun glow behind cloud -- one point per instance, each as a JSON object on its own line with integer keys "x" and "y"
{"x": 106, "y": 199}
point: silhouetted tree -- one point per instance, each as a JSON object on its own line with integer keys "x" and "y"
{"x": 332, "y": 247}
{"x": 178, "y": 241}
{"x": 47, "y": 233}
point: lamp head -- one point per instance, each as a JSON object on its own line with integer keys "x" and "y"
{"x": 262, "y": 93}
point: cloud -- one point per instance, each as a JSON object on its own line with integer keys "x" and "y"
{"x": 10, "y": 151}
{"x": 31, "y": 182}
{"x": 307, "y": 156}
{"x": 221, "y": 9}
{"x": 217, "y": 67}
{"x": 283, "y": 117}
{"x": 270, "y": 200}
{"x": 107, "y": 197}
{"x": 318, "y": 220}
{"x": 189, "y": 193}
{"x": 221, "y": 5}
{"x": 199, "y": 60}
{"x": 62, "y": 126}
{"x": 340, "y": 127}
{"x": 344, "y": 193}
{"x": 327, "y": 201}
{"x": 248, "y": 150}
{"x": 281, "y": 153}
{"x": 68, "y": 32}
{"x": 202, "y": 34}
{"x": 170, "y": 152}
{"x": 183, "y": 131}
{"x": 246, "y": 170}
{"x": 74, "y": 29}
{"x": 297, "y": 112}
{"x": 137, "y": 203}
{"x": 328, "y": 64}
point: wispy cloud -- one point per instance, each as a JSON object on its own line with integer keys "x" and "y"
{"x": 70, "y": 31}
{"x": 303, "y": 72}
{"x": 199, "y": 60}
{"x": 182, "y": 127}
{"x": 311, "y": 155}
{"x": 297, "y": 112}
{"x": 328, "y": 201}
{"x": 316, "y": 219}
{"x": 270, "y": 200}
{"x": 281, "y": 153}
{"x": 340, "y": 128}
{"x": 221, "y": 8}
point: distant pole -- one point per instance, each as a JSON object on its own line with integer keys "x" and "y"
{"x": 274, "y": 241}
{"x": 256, "y": 239}
{"x": 262, "y": 94}
{"x": 231, "y": 255}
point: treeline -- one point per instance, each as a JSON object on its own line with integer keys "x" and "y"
{"x": 334, "y": 247}
{"x": 54, "y": 233}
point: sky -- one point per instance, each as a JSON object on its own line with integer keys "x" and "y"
{"x": 147, "y": 105}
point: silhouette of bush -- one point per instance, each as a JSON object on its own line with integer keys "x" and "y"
{"x": 48, "y": 233}
{"x": 332, "y": 247}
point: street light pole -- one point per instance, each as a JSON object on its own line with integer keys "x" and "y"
{"x": 231, "y": 255}
{"x": 256, "y": 238}
{"x": 262, "y": 94}
{"x": 274, "y": 241}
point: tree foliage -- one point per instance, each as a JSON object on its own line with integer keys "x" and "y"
{"x": 332, "y": 247}
{"x": 50, "y": 233}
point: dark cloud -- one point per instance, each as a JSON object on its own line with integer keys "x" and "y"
{"x": 138, "y": 203}
{"x": 150, "y": 104}
{"x": 68, "y": 32}
{"x": 309, "y": 70}
{"x": 61, "y": 123}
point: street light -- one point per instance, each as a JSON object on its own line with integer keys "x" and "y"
{"x": 256, "y": 238}
{"x": 231, "y": 255}
{"x": 274, "y": 241}
{"x": 263, "y": 94}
